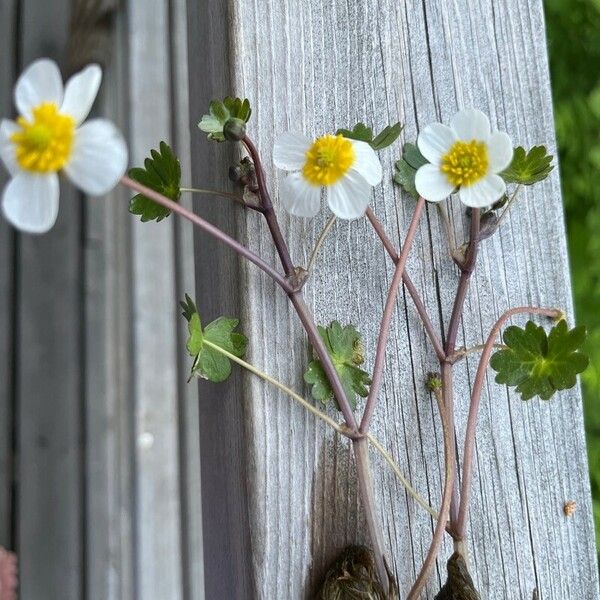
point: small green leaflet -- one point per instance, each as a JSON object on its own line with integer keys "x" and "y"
{"x": 161, "y": 173}
{"x": 362, "y": 133}
{"x": 205, "y": 345}
{"x": 528, "y": 168}
{"x": 406, "y": 168}
{"x": 345, "y": 348}
{"x": 539, "y": 364}
{"x": 220, "y": 111}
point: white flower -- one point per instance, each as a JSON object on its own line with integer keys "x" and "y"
{"x": 49, "y": 137}
{"x": 467, "y": 156}
{"x": 345, "y": 170}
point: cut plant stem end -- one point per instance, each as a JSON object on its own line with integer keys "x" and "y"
{"x": 464, "y": 352}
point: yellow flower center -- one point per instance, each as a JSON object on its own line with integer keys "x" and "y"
{"x": 328, "y": 160}
{"x": 465, "y": 162}
{"x": 44, "y": 144}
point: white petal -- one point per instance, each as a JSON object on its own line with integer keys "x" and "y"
{"x": 99, "y": 157}
{"x": 484, "y": 192}
{"x": 7, "y": 148}
{"x": 289, "y": 152}
{"x": 40, "y": 82}
{"x": 30, "y": 201}
{"x": 434, "y": 141}
{"x": 299, "y": 197}
{"x": 350, "y": 196}
{"x": 367, "y": 164}
{"x": 432, "y": 184}
{"x": 80, "y": 92}
{"x": 500, "y": 151}
{"x": 471, "y": 124}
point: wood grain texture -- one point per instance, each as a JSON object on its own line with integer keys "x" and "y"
{"x": 8, "y": 58}
{"x": 314, "y": 66}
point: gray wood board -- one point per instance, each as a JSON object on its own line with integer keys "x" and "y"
{"x": 8, "y": 59}
{"x": 49, "y": 369}
{"x": 313, "y": 67}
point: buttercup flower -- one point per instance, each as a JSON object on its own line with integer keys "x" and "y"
{"x": 344, "y": 170}
{"x": 466, "y": 156}
{"x": 48, "y": 137}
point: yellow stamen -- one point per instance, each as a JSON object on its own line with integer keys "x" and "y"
{"x": 328, "y": 160}
{"x": 466, "y": 162}
{"x": 44, "y": 144}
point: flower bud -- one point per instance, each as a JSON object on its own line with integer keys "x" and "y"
{"x": 234, "y": 129}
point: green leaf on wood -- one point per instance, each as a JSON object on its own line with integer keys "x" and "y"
{"x": 220, "y": 111}
{"x": 406, "y": 168}
{"x": 161, "y": 173}
{"x": 539, "y": 364}
{"x": 529, "y": 167}
{"x": 363, "y": 133}
{"x": 344, "y": 346}
{"x": 206, "y": 345}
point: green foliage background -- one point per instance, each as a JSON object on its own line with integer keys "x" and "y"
{"x": 573, "y": 28}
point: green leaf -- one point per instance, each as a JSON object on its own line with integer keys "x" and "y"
{"x": 530, "y": 167}
{"x": 344, "y": 345}
{"x": 539, "y": 364}
{"x": 363, "y": 133}
{"x": 204, "y": 344}
{"x": 406, "y": 168}
{"x": 387, "y": 137}
{"x": 161, "y": 173}
{"x": 189, "y": 308}
{"x": 220, "y": 111}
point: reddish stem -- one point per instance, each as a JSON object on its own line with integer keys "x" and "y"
{"x": 384, "y": 328}
{"x": 467, "y": 473}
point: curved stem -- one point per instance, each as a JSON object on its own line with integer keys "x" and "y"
{"x": 412, "y": 290}
{"x": 319, "y": 243}
{"x": 461, "y": 353}
{"x": 210, "y": 229}
{"x": 445, "y": 409}
{"x": 507, "y": 207}
{"x": 384, "y": 329}
{"x": 467, "y": 474}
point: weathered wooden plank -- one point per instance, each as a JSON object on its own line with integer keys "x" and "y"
{"x": 8, "y": 60}
{"x": 314, "y": 67}
{"x": 154, "y": 368}
{"x": 225, "y": 531}
{"x": 49, "y": 369}
{"x": 110, "y": 505}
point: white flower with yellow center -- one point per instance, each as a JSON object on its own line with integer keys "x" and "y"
{"x": 467, "y": 156}
{"x": 344, "y": 170}
{"x": 48, "y": 137}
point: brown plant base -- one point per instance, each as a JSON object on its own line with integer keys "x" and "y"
{"x": 459, "y": 585}
{"x": 353, "y": 576}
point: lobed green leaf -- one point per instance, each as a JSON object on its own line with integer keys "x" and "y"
{"x": 406, "y": 168}
{"x": 529, "y": 167}
{"x": 363, "y": 133}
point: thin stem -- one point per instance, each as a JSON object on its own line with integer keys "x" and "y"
{"x": 467, "y": 268}
{"x": 507, "y": 207}
{"x": 394, "y": 466}
{"x": 291, "y": 393}
{"x": 210, "y": 229}
{"x": 319, "y": 243}
{"x": 467, "y": 474}
{"x": 447, "y": 226}
{"x": 238, "y": 199}
{"x": 268, "y": 210}
{"x": 365, "y": 488}
{"x": 317, "y": 342}
{"x": 445, "y": 409}
{"x": 329, "y": 421}
{"x": 463, "y": 352}
{"x": 412, "y": 290}
{"x": 384, "y": 329}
